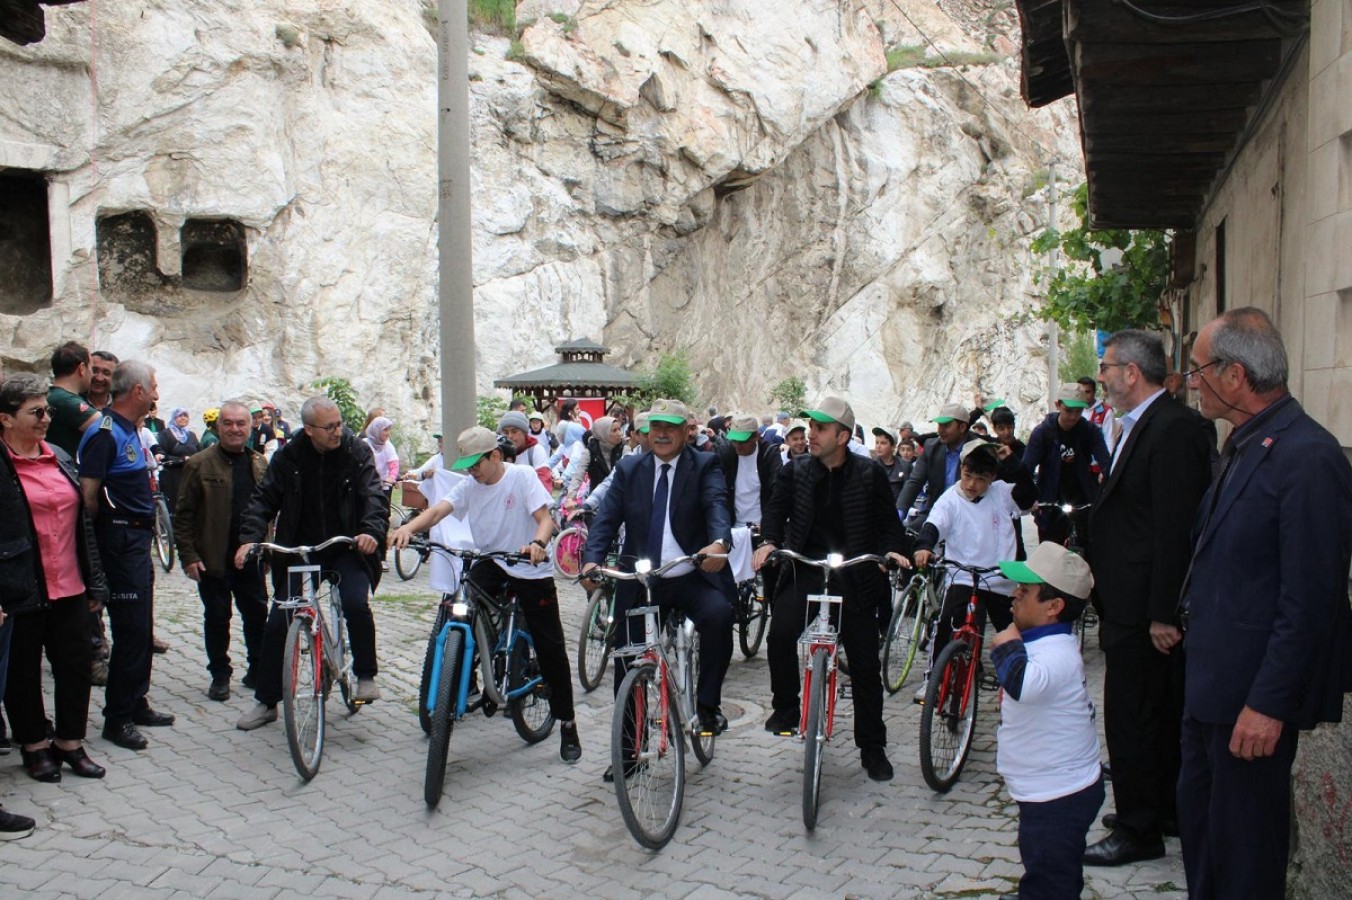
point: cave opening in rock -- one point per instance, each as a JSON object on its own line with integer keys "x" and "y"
{"x": 25, "y": 243}
{"x": 215, "y": 255}
{"x": 126, "y": 249}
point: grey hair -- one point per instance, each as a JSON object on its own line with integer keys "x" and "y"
{"x": 1248, "y": 337}
{"x": 1145, "y": 349}
{"x": 16, "y": 390}
{"x": 235, "y": 403}
{"x": 129, "y": 374}
{"x": 316, "y": 404}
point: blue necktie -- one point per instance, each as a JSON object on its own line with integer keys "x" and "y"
{"x": 657, "y": 524}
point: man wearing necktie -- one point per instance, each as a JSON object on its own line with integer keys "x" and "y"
{"x": 672, "y": 501}
{"x": 1138, "y": 548}
{"x": 1269, "y": 629}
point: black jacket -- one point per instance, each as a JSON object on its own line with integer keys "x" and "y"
{"x": 768, "y": 464}
{"x": 1043, "y": 456}
{"x": 23, "y": 585}
{"x": 281, "y": 494}
{"x": 871, "y": 521}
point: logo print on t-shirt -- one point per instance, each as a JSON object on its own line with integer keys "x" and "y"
{"x": 510, "y": 502}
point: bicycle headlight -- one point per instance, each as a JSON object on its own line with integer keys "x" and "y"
{"x": 834, "y": 560}
{"x": 460, "y": 609}
{"x": 643, "y": 566}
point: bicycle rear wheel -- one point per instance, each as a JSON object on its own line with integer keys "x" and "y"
{"x": 903, "y": 635}
{"x": 568, "y": 547}
{"x": 530, "y": 712}
{"x": 949, "y": 717}
{"x": 408, "y": 560}
{"x": 701, "y": 743}
{"x": 443, "y": 718}
{"x": 647, "y": 753}
{"x": 814, "y": 740}
{"x": 164, "y": 535}
{"x": 429, "y": 660}
{"x": 597, "y": 638}
{"x": 753, "y": 617}
{"x": 303, "y": 696}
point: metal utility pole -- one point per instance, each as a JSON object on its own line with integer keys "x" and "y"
{"x": 455, "y": 290}
{"x": 1053, "y": 331}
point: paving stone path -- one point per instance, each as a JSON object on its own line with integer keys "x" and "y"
{"x": 210, "y": 811}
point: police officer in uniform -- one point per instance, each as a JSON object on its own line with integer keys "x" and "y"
{"x": 116, "y": 483}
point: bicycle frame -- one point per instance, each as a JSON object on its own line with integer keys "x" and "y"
{"x": 820, "y": 634}
{"x": 308, "y": 606}
{"x": 968, "y": 633}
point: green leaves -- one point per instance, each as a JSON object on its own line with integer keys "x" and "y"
{"x": 789, "y": 395}
{"x": 341, "y": 392}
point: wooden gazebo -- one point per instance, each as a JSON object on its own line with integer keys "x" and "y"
{"x": 580, "y": 372}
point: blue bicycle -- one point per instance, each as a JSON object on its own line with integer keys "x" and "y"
{"x": 468, "y": 621}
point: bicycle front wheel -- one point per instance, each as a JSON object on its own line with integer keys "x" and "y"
{"x": 303, "y": 696}
{"x": 814, "y": 740}
{"x": 949, "y": 718}
{"x": 568, "y": 547}
{"x": 164, "y": 535}
{"x": 903, "y": 635}
{"x": 530, "y": 711}
{"x": 443, "y": 718}
{"x": 754, "y": 617}
{"x": 647, "y": 754}
{"x": 429, "y": 660}
{"x": 597, "y": 638}
{"x": 408, "y": 560}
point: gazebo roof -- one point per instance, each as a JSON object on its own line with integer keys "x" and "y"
{"x": 568, "y": 374}
{"x": 581, "y": 345}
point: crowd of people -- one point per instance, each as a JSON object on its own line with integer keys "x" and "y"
{"x": 1219, "y": 574}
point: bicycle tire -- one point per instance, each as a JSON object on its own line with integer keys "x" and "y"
{"x": 903, "y": 635}
{"x": 530, "y": 712}
{"x": 567, "y": 553}
{"x": 948, "y": 720}
{"x": 650, "y": 784}
{"x": 755, "y": 617}
{"x": 303, "y": 696}
{"x": 703, "y": 744}
{"x": 597, "y": 638}
{"x": 164, "y": 534}
{"x": 443, "y": 718}
{"x": 408, "y": 560}
{"x": 814, "y": 740}
{"x": 429, "y": 659}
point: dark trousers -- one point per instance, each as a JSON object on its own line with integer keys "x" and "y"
{"x": 705, "y": 605}
{"x": 1051, "y": 843}
{"x": 125, "y": 552}
{"x": 1142, "y": 710}
{"x": 539, "y": 602}
{"x": 994, "y": 606}
{"x": 62, "y": 629}
{"x": 170, "y": 476}
{"x": 354, "y": 591}
{"x": 858, "y": 635}
{"x": 245, "y": 586}
{"x": 1234, "y": 816}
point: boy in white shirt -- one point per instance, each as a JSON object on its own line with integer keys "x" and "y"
{"x": 1048, "y": 750}
{"x": 508, "y": 509}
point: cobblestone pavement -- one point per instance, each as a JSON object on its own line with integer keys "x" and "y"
{"x": 210, "y": 811}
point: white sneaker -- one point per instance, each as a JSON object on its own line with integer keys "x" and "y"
{"x": 257, "y": 717}
{"x": 367, "y": 690}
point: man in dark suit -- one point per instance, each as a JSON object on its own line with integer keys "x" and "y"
{"x": 1269, "y": 631}
{"x": 1138, "y": 547}
{"x": 672, "y": 501}
{"x": 936, "y": 468}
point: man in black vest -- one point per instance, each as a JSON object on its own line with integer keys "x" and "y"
{"x": 832, "y": 501}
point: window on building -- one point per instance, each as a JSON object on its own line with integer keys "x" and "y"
{"x": 215, "y": 255}
{"x": 25, "y": 243}
{"x": 126, "y": 249}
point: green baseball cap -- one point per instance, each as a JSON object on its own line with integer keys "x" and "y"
{"x": 1052, "y": 564}
{"x": 472, "y": 444}
{"x": 743, "y": 428}
{"x": 832, "y": 409}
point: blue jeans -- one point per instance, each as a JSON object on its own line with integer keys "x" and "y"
{"x": 1051, "y": 843}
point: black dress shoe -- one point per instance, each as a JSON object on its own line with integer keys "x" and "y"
{"x": 220, "y": 689}
{"x": 124, "y": 735}
{"x": 79, "y": 762}
{"x": 874, "y": 761}
{"x": 711, "y": 721}
{"x": 42, "y": 765}
{"x": 148, "y": 718}
{"x": 782, "y": 722}
{"x": 1120, "y": 848}
{"x": 1168, "y": 825}
{"x": 609, "y": 776}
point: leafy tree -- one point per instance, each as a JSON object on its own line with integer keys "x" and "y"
{"x": 341, "y": 392}
{"x": 789, "y": 395}
{"x": 1081, "y": 356}
{"x": 1090, "y": 294}
{"x": 488, "y": 408}
{"x": 670, "y": 378}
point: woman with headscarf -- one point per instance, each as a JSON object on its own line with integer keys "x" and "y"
{"x": 387, "y": 457}
{"x": 176, "y": 443}
{"x": 50, "y": 577}
{"x": 600, "y": 451}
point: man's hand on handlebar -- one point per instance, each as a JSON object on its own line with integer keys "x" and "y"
{"x": 400, "y": 537}
{"x": 761, "y": 555}
{"x": 534, "y": 552}
{"x": 923, "y": 558}
{"x": 242, "y": 554}
{"x": 712, "y": 563}
{"x": 366, "y": 544}
{"x": 589, "y": 584}
{"x": 898, "y": 561}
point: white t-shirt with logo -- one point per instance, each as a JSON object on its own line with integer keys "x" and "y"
{"x": 978, "y": 534}
{"x": 502, "y": 515}
{"x": 747, "y": 490}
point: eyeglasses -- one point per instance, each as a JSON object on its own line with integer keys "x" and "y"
{"x": 1105, "y": 366}
{"x": 1197, "y": 372}
{"x": 40, "y": 412}
{"x": 330, "y": 429}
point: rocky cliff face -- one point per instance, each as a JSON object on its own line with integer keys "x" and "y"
{"x": 741, "y": 180}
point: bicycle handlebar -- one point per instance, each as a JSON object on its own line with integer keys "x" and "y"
{"x": 963, "y": 567}
{"x": 832, "y": 561}
{"x": 470, "y": 555}
{"x": 1066, "y": 508}
{"x": 301, "y": 551}
{"x": 620, "y": 575}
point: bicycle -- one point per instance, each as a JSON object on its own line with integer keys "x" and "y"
{"x": 948, "y": 719}
{"x": 750, "y": 612}
{"x": 597, "y": 640}
{"x": 570, "y": 542}
{"x": 470, "y": 621}
{"x": 818, "y": 647}
{"x": 918, "y": 602}
{"x": 315, "y": 656}
{"x": 655, "y": 711}
{"x": 1088, "y": 618}
{"x": 408, "y": 560}
{"x": 164, "y": 532}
